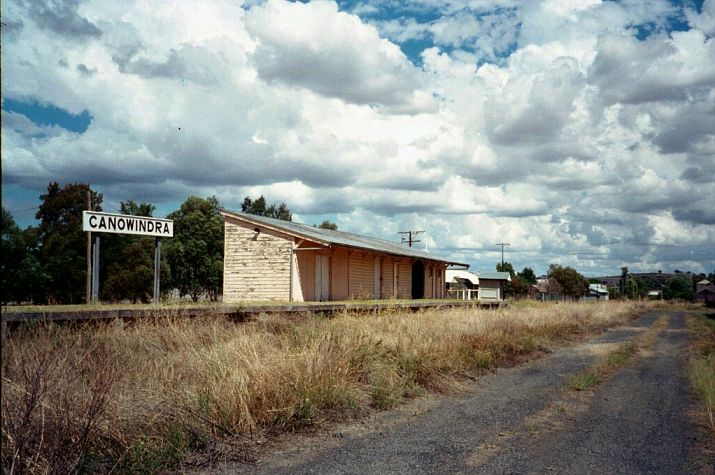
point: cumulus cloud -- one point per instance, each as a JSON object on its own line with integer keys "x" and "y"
{"x": 658, "y": 69}
{"x": 333, "y": 54}
{"x": 61, "y": 18}
{"x": 581, "y": 132}
{"x": 705, "y": 19}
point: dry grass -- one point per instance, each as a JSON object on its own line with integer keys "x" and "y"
{"x": 143, "y": 396}
{"x": 616, "y": 358}
{"x": 702, "y": 364}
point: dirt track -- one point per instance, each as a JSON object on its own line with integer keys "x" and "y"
{"x": 526, "y": 420}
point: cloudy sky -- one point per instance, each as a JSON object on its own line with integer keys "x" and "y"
{"x": 581, "y": 132}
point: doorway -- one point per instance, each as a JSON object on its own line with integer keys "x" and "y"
{"x": 322, "y": 278}
{"x": 418, "y": 280}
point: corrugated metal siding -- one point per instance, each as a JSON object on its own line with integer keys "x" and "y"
{"x": 429, "y": 278}
{"x": 361, "y": 275}
{"x": 256, "y": 265}
{"x": 387, "y": 275}
{"x": 306, "y": 271}
{"x": 404, "y": 284}
{"x": 339, "y": 274}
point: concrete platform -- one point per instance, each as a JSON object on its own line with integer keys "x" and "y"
{"x": 237, "y": 311}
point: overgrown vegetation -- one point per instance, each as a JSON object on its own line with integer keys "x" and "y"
{"x": 156, "y": 394}
{"x": 586, "y": 380}
{"x": 702, "y": 363}
{"x": 195, "y": 253}
{"x": 598, "y": 374}
{"x": 615, "y": 358}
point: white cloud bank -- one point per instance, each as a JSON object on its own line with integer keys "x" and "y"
{"x": 548, "y": 125}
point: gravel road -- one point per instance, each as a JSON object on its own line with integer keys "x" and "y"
{"x": 526, "y": 420}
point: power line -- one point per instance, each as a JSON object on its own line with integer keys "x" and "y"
{"x": 409, "y": 236}
{"x": 21, "y": 210}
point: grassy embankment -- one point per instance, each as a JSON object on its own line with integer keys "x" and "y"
{"x": 157, "y": 393}
{"x": 702, "y": 363}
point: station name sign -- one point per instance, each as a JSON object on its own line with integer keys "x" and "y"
{"x": 97, "y": 222}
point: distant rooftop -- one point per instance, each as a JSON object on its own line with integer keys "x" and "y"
{"x": 495, "y": 275}
{"x": 462, "y": 274}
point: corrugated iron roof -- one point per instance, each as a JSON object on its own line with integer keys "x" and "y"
{"x": 495, "y": 275}
{"x": 328, "y": 237}
{"x": 462, "y": 274}
{"x": 600, "y": 288}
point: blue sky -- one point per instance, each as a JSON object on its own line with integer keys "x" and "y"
{"x": 579, "y": 131}
{"x": 48, "y": 114}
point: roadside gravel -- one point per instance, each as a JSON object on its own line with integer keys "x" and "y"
{"x": 526, "y": 420}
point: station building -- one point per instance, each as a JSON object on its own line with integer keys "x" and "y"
{"x": 267, "y": 259}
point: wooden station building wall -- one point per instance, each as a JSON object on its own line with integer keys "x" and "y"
{"x": 257, "y": 267}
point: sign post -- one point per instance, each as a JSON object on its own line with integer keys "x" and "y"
{"x": 95, "y": 269}
{"x": 98, "y": 222}
{"x": 157, "y": 269}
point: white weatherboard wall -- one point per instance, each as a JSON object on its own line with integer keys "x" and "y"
{"x": 256, "y": 264}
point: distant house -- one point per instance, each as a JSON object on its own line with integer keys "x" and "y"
{"x": 462, "y": 284}
{"x": 705, "y": 293}
{"x": 654, "y": 295}
{"x": 703, "y": 284}
{"x": 268, "y": 259}
{"x": 491, "y": 285}
{"x": 467, "y": 285}
{"x": 546, "y": 289}
{"x": 596, "y": 292}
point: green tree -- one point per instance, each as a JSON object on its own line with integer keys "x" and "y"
{"x": 519, "y": 287}
{"x": 678, "y": 288}
{"x": 624, "y": 279}
{"x": 527, "y": 275}
{"x": 137, "y": 209}
{"x": 128, "y": 261}
{"x": 572, "y": 283}
{"x": 328, "y": 225}
{"x": 506, "y": 267}
{"x": 21, "y": 276}
{"x": 646, "y": 284}
{"x": 195, "y": 253}
{"x": 260, "y": 208}
{"x": 632, "y": 289}
{"x": 62, "y": 242}
{"x": 13, "y": 253}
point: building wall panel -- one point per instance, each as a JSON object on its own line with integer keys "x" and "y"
{"x": 256, "y": 265}
{"x": 387, "y": 278}
{"x": 306, "y": 271}
{"x": 404, "y": 279}
{"x": 361, "y": 275}
{"x": 339, "y": 274}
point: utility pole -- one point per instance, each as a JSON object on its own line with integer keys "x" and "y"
{"x": 88, "y": 293}
{"x": 409, "y": 236}
{"x": 502, "y": 244}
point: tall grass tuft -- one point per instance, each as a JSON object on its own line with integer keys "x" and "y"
{"x": 702, "y": 375}
{"x": 142, "y": 396}
{"x": 702, "y": 364}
